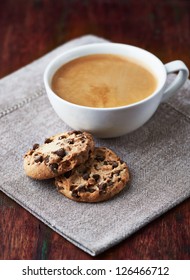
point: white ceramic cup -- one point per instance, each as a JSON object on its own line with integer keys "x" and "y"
{"x": 113, "y": 122}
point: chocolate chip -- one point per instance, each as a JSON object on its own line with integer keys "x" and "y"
{"x": 61, "y": 137}
{"x": 77, "y": 132}
{"x": 81, "y": 188}
{"x": 48, "y": 140}
{"x": 114, "y": 164}
{"x": 90, "y": 190}
{"x": 46, "y": 159}
{"x": 96, "y": 176}
{"x": 102, "y": 187}
{"x": 74, "y": 132}
{"x": 35, "y": 146}
{"x": 38, "y": 159}
{"x": 73, "y": 187}
{"x": 110, "y": 183}
{"x": 100, "y": 157}
{"x": 53, "y": 167}
{"x": 111, "y": 175}
{"x": 105, "y": 162}
{"x": 85, "y": 169}
{"x": 85, "y": 176}
{"x": 117, "y": 172}
{"x": 67, "y": 174}
{"x": 75, "y": 193}
{"x": 70, "y": 141}
{"x": 60, "y": 153}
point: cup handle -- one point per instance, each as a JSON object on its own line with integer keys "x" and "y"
{"x": 182, "y": 76}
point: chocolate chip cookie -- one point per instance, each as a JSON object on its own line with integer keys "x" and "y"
{"x": 100, "y": 178}
{"x": 59, "y": 154}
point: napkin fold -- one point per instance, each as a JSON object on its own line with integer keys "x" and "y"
{"x": 157, "y": 155}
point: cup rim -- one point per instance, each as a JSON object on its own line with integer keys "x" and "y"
{"x": 94, "y": 46}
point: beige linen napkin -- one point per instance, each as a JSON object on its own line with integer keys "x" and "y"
{"x": 158, "y": 156}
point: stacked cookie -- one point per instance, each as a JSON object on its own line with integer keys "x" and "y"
{"x": 82, "y": 171}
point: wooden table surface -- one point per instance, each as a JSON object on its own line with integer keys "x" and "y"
{"x": 28, "y": 30}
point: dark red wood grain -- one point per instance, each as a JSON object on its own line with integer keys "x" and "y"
{"x": 28, "y": 30}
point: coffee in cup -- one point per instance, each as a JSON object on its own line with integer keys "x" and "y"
{"x": 113, "y": 121}
{"x": 103, "y": 81}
